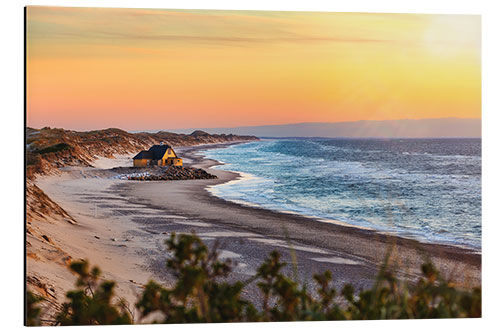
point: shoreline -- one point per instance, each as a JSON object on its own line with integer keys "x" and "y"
{"x": 342, "y": 239}
{"x": 240, "y": 176}
{"x": 399, "y": 233}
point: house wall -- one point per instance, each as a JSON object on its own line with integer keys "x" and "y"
{"x": 170, "y": 153}
{"x": 140, "y": 163}
{"x": 168, "y": 158}
{"x": 177, "y": 161}
{"x": 171, "y": 161}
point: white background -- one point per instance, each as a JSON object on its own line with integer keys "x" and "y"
{"x": 12, "y": 149}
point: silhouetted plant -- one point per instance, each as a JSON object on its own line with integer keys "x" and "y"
{"x": 92, "y": 302}
{"x": 201, "y": 293}
{"x": 198, "y": 295}
{"x": 32, "y": 310}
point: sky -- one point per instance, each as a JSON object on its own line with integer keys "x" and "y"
{"x": 147, "y": 69}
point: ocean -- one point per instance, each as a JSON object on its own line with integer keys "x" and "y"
{"x": 425, "y": 189}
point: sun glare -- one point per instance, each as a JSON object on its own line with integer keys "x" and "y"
{"x": 450, "y": 36}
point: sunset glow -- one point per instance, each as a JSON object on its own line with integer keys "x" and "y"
{"x": 142, "y": 69}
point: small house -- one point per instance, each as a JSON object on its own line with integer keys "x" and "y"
{"x": 161, "y": 155}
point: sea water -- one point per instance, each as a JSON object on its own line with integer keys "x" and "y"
{"x": 426, "y": 189}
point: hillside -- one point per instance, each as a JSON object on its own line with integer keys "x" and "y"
{"x": 48, "y": 149}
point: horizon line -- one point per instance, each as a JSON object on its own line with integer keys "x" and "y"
{"x": 247, "y": 126}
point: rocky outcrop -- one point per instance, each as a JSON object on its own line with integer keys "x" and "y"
{"x": 163, "y": 173}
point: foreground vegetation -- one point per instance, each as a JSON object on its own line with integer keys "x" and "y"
{"x": 201, "y": 294}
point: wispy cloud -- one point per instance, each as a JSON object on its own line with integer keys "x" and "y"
{"x": 70, "y": 24}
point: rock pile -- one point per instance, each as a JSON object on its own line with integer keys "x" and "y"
{"x": 173, "y": 173}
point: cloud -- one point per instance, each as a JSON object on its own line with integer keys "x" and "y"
{"x": 97, "y": 26}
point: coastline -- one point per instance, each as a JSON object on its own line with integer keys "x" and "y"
{"x": 250, "y": 195}
{"x": 122, "y": 226}
{"x": 193, "y": 199}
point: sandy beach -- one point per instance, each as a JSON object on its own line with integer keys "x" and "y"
{"x": 122, "y": 226}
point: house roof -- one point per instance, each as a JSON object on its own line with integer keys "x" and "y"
{"x": 145, "y": 154}
{"x": 154, "y": 153}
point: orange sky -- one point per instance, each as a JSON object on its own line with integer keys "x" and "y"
{"x": 140, "y": 69}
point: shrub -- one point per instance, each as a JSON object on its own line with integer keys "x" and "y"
{"x": 54, "y": 148}
{"x": 92, "y": 302}
{"x": 32, "y": 310}
{"x": 202, "y": 294}
{"x": 198, "y": 295}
